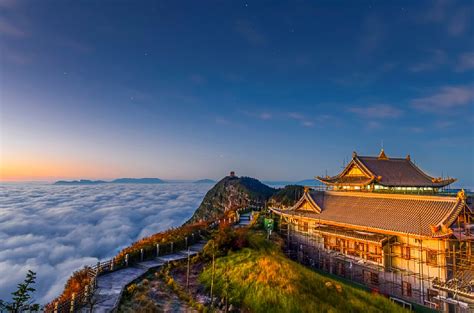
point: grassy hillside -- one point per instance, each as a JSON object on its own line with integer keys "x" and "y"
{"x": 260, "y": 278}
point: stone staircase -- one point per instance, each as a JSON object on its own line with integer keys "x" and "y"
{"x": 111, "y": 286}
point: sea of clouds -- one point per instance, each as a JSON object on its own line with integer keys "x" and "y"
{"x": 55, "y": 230}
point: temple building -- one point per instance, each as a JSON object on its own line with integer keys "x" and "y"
{"x": 366, "y": 173}
{"x": 383, "y": 222}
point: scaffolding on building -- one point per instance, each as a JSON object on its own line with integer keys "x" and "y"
{"x": 442, "y": 278}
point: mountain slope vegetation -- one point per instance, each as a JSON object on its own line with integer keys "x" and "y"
{"x": 232, "y": 193}
{"x": 286, "y": 197}
{"x": 260, "y": 278}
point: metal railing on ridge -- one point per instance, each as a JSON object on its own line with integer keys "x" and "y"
{"x": 84, "y": 298}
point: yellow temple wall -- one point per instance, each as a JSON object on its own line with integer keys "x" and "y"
{"x": 415, "y": 264}
{"x": 418, "y": 262}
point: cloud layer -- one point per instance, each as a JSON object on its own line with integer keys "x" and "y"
{"x": 445, "y": 99}
{"x": 55, "y": 230}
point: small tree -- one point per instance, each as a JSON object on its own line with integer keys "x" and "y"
{"x": 213, "y": 271}
{"x": 227, "y": 289}
{"x": 22, "y": 297}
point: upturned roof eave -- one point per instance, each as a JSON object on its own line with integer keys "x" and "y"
{"x": 354, "y": 226}
{"x": 306, "y": 197}
{"x": 448, "y": 219}
{"x": 327, "y": 182}
{"x": 440, "y": 184}
{"x": 430, "y": 181}
{"x": 332, "y": 182}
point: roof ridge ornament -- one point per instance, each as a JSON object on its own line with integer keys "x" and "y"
{"x": 408, "y": 157}
{"x": 354, "y": 154}
{"x": 462, "y": 195}
{"x": 434, "y": 228}
{"x": 382, "y": 155}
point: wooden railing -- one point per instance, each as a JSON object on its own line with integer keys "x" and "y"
{"x": 85, "y": 297}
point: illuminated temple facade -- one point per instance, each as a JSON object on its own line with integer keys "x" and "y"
{"x": 380, "y": 173}
{"x": 383, "y": 222}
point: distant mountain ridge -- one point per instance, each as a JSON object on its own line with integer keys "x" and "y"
{"x": 204, "y": 181}
{"x": 80, "y": 182}
{"x": 115, "y": 181}
{"x": 277, "y": 182}
{"x": 308, "y": 182}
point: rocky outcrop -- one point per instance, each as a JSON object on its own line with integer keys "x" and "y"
{"x": 232, "y": 193}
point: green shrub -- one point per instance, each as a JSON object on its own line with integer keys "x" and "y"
{"x": 226, "y": 238}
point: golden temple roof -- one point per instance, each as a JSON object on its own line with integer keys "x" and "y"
{"x": 386, "y": 213}
{"x": 385, "y": 171}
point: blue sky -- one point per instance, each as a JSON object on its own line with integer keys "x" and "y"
{"x": 273, "y": 90}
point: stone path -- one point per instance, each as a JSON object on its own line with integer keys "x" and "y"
{"x": 110, "y": 286}
{"x": 245, "y": 219}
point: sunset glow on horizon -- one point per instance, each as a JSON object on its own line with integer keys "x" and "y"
{"x": 45, "y": 171}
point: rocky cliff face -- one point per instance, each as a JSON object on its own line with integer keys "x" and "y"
{"x": 232, "y": 193}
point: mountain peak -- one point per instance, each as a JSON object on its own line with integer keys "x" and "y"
{"x": 232, "y": 193}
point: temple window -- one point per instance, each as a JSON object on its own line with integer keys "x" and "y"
{"x": 432, "y": 257}
{"x": 406, "y": 253}
{"x": 301, "y": 226}
{"x": 371, "y": 278}
{"x": 326, "y": 242}
{"x": 305, "y": 227}
{"x": 374, "y": 259}
{"x": 341, "y": 271}
{"x": 406, "y": 289}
